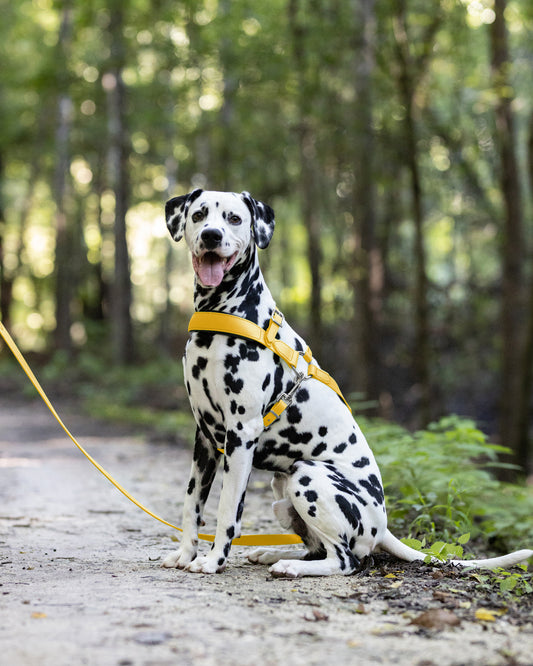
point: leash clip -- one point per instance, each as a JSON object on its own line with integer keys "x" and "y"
{"x": 284, "y": 401}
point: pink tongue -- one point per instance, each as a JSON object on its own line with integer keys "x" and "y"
{"x": 211, "y": 270}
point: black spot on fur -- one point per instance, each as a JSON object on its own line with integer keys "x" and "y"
{"x": 234, "y": 385}
{"x": 240, "y": 507}
{"x": 232, "y": 442}
{"x": 340, "y": 447}
{"x": 320, "y": 448}
{"x": 230, "y": 532}
{"x": 305, "y": 480}
{"x": 302, "y": 395}
{"x": 296, "y": 437}
{"x": 231, "y": 363}
{"x": 204, "y": 339}
{"x": 373, "y": 487}
{"x": 349, "y": 510}
{"x": 266, "y": 382}
{"x": 353, "y": 438}
{"x": 190, "y": 488}
{"x": 322, "y": 431}
{"x": 311, "y": 495}
{"x": 293, "y": 414}
{"x": 374, "y": 531}
{"x": 362, "y": 462}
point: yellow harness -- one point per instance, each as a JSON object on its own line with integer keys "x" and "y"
{"x": 218, "y": 322}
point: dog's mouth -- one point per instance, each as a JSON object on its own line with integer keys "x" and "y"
{"x": 210, "y": 267}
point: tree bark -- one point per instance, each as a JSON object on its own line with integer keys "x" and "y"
{"x": 409, "y": 71}
{"x": 512, "y": 294}
{"x": 367, "y": 260}
{"x": 523, "y": 450}
{"x": 309, "y": 185}
{"x": 6, "y": 284}
{"x": 63, "y": 258}
{"x": 118, "y": 176}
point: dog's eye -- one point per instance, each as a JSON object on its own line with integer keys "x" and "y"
{"x": 234, "y": 219}
{"x": 198, "y": 216}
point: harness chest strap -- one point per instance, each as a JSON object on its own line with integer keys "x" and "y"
{"x": 219, "y": 322}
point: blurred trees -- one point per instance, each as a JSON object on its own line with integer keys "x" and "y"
{"x": 389, "y": 137}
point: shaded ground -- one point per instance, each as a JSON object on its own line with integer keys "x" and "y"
{"x": 80, "y": 581}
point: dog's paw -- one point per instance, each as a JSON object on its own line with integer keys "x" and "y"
{"x": 206, "y": 564}
{"x": 263, "y": 556}
{"x": 179, "y": 559}
{"x": 286, "y": 568}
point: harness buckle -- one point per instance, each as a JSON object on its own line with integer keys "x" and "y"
{"x": 277, "y": 317}
{"x": 284, "y": 401}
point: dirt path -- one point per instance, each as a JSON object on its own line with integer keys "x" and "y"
{"x": 80, "y": 581}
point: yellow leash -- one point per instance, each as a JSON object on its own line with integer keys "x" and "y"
{"x": 245, "y": 540}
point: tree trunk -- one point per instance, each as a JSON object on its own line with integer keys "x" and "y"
{"x": 407, "y": 85}
{"x": 5, "y": 283}
{"x": 513, "y": 237}
{"x": 367, "y": 260}
{"x": 523, "y": 450}
{"x": 309, "y": 185}
{"x": 63, "y": 254}
{"x": 118, "y": 175}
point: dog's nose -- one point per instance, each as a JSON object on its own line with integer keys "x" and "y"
{"x": 211, "y": 238}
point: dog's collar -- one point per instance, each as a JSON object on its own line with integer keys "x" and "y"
{"x": 219, "y": 322}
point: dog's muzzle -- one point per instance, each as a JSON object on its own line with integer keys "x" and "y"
{"x": 211, "y": 238}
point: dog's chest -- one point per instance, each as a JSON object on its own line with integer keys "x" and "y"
{"x": 232, "y": 382}
{"x": 227, "y": 380}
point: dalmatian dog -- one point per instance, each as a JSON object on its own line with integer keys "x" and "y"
{"x": 327, "y": 485}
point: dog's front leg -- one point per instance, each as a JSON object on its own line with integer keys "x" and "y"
{"x": 203, "y": 470}
{"x": 237, "y": 467}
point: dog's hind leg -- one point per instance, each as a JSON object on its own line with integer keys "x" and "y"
{"x": 335, "y": 538}
{"x": 285, "y": 514}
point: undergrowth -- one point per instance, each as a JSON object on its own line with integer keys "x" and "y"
{"x": 440, "y": 483}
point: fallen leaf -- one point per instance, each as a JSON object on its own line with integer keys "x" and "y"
{"x": 488, "y": 615}
{"x": 38, "y": 616}
{"x": 390, "y": 575}
{"x": 437, "y": 618}
{"x": 318, "y": 616}
{"x": 397, "y": 584}
{"x": 353, "y": 644}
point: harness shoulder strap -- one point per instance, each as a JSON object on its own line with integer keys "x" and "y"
{"x": 219, "y": 322}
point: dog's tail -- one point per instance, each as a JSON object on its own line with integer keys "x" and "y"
{"x": 395, "y": 547}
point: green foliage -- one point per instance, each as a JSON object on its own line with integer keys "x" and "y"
{"x": 439, "y": 549}
{"x": 509, "y": 584}
{"x": 439, "y": 483}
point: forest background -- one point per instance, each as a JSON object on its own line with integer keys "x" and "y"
{"x": 394, "y": 140}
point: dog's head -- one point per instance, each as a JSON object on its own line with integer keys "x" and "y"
{"x": 219, "y": 227}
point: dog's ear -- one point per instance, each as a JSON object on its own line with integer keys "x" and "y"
{"x": 176, "y": 210}
{"x": 262, "y": 220}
